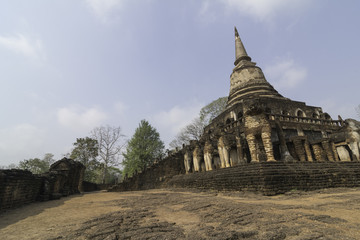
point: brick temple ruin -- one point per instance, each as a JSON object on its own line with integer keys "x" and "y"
{"x": 260, "y": 125}
{"x": 262, "y": 142}
{"x": 19, "y": 187}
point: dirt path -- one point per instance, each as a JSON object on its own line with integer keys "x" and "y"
{"x": 170, "y": 214}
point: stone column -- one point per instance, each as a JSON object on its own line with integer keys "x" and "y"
{"x": 266, "y": 138}
{"x": 329, "y": 153}
{"x": 299, "y": 148}
{"x": 234, "y": 159}
{"x": 208, "y": 155}
{"x": 226, "y": 150}
{"x": 284, "y": 151}
{"x": 197, "y": 159}
{"x": 308, "y": 151}
{"x": 187, "y": 161}
{"x": 336, "y": 156}
{"x": 226, "y": 153}
{"x": 239, "y": 150}
{"x": 344, "y": 154}
{"x": 250, "y": 138}
{"x": 318, "y": 152}
{"x": 207, "y": 160}
{"x": 221, "y": 153}
{"x": 354, "y": 146}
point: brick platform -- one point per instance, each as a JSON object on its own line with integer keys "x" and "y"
{"x": 272, "y": 178}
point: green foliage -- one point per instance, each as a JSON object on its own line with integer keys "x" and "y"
{"x": 212, "y": 110}
{"x": 114, "y": 175}
{"x": 10, "y": 166}
{"x": 195, "y": 129}
{"x": 85, "y": 151}
{"x": 143, "y": 148}
{"x": 36, "y": 165}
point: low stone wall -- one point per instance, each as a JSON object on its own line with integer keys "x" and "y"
{"x": 270, "y": 178}
{"x": 89, "y": 186}
{"x": 155, "y": 176}
{"x": 19, "y": 187}
{"x": 104, "y": 186}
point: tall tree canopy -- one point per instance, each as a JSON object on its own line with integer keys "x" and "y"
{"x": 37, "y": 165}
{"x": 143, "y": 148}
{"x": 195, "y": 129}
{"x": 110, "y": 145}
{"x": 86, "y": 151}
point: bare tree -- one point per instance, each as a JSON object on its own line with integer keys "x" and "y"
{"x": 358, "y": 110}
{"x": 110, "y": 145}
{"x": 195, "y": 129}
{"x": 212, "y": 110}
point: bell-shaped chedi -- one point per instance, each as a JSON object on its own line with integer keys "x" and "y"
{"x": 247, "y": 80}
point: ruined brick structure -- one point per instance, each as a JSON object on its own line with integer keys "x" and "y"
{"x": 154, "y": 176}
{"x": 64, "y": 178}
{"x": 262, "y": 142}
{"x": 260, "y": 125}
{"x": 18, "y": 187}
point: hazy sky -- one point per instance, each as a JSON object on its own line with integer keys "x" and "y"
{"x": 67, "y": 66}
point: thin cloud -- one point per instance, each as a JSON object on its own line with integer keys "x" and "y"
{"x": 170, "y": 122}
{"x": 79, "y": 118}
{"x": 20, "y": 141}
{"x": 335, "y": 108}
{"x": 120, "y": 108}
{"x": 104, "y": 9}
{"x": 285, "y": 74}
{"x": 258, "y": 10}
{"x": 23, "y": 45}
{"x": 206, "y": 13}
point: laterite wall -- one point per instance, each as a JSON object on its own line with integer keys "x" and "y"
{"x": 155, "y": 176}
{"x": 18, "y": 187}
{"x": 268, "y": 178}
{"x": 272, "y": 178}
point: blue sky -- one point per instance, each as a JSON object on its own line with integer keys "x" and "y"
{"x": 69, "y": 66}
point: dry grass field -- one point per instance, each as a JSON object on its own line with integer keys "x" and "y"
{"x": 185, "y": 214}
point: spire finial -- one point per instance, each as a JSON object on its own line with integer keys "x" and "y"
{"x": 240, "y": 52}
{"x": 236, "y": 32}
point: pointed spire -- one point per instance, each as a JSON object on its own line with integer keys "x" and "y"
{"x": 240, "y": 52}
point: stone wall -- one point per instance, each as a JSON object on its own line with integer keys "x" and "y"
{"x": 155, "y": 176}
{"x": 270, "y": 178}
{"x": 89, "y": 186}
{"x": 66, "y": 177}
{"x": 19, "y": 187}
